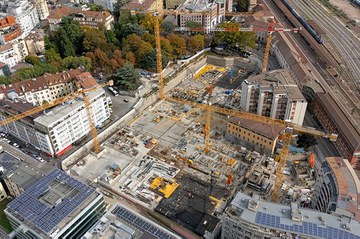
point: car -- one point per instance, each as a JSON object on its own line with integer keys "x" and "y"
{"x": 39, "y": 158}
{"x": 113, "y": 91}
{"x": 126, "y": 100}
{"x": 15, "y": 145}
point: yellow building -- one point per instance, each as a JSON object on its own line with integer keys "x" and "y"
{"x": 261, "y": 136}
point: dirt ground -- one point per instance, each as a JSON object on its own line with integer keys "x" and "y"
{"x": 350, "y": 10}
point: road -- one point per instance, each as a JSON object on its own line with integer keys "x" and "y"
{"x": 324, "y": 148}
{"x": 340, "y": 38}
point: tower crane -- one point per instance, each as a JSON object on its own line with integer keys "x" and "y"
{"x": 287, "y": 134}
{"x": 79, "y": 93}
{"x": 157, "y": 14}
{"x": 271, "y": 29}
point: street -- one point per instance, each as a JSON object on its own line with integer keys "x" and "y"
{"x": 324, "y": 147}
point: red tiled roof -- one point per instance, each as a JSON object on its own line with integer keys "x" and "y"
{"x": 264, "y": 129}
{"x": 42, "y": 82}
{"x": 85, "y": 80}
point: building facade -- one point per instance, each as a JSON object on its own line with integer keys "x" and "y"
{"x": 8, "y": 55}
{"x": 42, "y": 9}
{"x": 250, "y": 217}
{"x": 25, "y": 14}
{"x": 106, "y": 4}
{"x": 3, "y": 194}
{"x": 333, "y": 120}
{"x": 35, "y": 42}
{"x": 274, "y": 94}
{"x": 210, "y": 13}
{"x": 260, "y": 136}
{"x": 57, "y": 206}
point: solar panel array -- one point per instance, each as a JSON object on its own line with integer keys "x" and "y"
{"x": 306, "y": 228}
{"x": 36, "y": 214}
{"x": 140, "y": 223}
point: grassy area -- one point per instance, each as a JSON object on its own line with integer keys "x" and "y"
{"x": 4, "y": 223}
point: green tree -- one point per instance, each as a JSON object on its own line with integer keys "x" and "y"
{"x": 192, "y": 24}
{"x": 166, "y": 47}
{"x": 242, "y": 5}
{"x": 305, "y": 141}
{"x": 127, "y": 77}
{"x": 122, "y": 31}
{"x": 74, "y": 32}
{"x": 178, "y": 44}
{"x": 167, "y": 27}
{"x": 234, "y": 37}
{"x": 94, "y": 38}
{"x": 111, "y": 37}
{"x": 4, "y": 80}
{"x": 95, "y": 7}
{"x": 143, "y": 50}
{"x": 74, "y": 62}
{"x": 65, "y": 46}
{"x": 196, "y": 43}
{"x": 33, "y": 60}
{"x": 150, "y": 38}
{"x": 53, "y": 58}
{"x": 149, "y": 61}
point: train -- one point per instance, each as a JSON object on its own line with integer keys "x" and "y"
{"x": 303, "y": 22}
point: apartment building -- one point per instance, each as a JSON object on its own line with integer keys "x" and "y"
{"x": 337, "y": 188}
{"x": 56, "y": 206}
{"x": 45, "y": 88}
{"x": 35, "y": 42}
{"x": 260, "y": 136}
{"x": 25, "y": 14}
{"x": 274, "y": 94}
{"x": 210, "y": 13}
{"x": 9, "y": 29}
{"x": 55, "y": 131}
{"x": 333, "y": 119}
{"x": 91, "y": 19}
{"x": 42, "y": 9}
{"x": 8, "y": 55}
{"x": 106, "y": 4}
{"x": 250, "y": 217}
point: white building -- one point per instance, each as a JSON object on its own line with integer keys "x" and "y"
{"x": 210, "y": 13}
{"x": 8, "y": 55}
{"x": 42, "y": 9}
{"x": 250, "y": 217}
{"x": 25, "y": 14}
{"x": 106, "y": 4}
{"x": 274, "y": 94}
{"x": 68, "y": 123}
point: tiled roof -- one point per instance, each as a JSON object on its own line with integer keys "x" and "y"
{"x": 42, "y": 82}
{"x": 85, "y": 80}
{"x": 267, "y": 130}
{"x": 59, "y": 13}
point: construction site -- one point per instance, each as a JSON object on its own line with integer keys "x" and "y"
{"x": 163, "y": 160}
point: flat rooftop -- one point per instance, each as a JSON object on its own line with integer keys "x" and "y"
{"x": 280, "y": 81}
{"x": 61, "y": 111}
{"x": 52, "y": 202}
{"x": 123, "y": 222}
{"x": 302, "y": 222}
{"x": 348, "y": 185}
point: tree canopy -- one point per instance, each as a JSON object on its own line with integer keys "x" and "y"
{"x": 127, "y": 77}
{"x": 234, "y": 37}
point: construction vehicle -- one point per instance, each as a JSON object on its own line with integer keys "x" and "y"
{"x": 79, "y": 93}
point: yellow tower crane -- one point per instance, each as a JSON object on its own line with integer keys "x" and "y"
{"x": 287, "y": 134}
{"x": 79, "y": 93}
{"x": 157, "y": 14}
